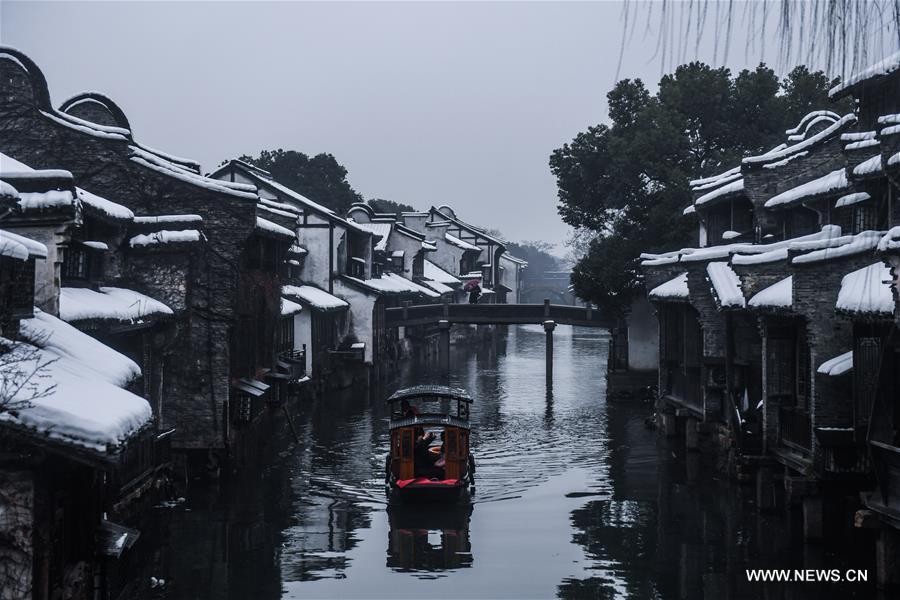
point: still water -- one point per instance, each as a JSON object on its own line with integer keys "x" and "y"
{"x": 575, "y": 499}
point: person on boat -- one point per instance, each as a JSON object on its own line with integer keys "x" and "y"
{"x": 408, "y": 410}
{"x": 424, "y": 460}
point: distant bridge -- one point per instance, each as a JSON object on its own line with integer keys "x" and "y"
{"x": 547, "y": 284}
{"x": 546, "y": 314}
{"x": 496, "y": 314}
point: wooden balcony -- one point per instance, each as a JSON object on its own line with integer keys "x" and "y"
{"x": 794, "y": 429}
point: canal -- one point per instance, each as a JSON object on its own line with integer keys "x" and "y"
{"x": 575, "y": 499}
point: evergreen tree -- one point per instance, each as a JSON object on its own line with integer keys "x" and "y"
{"x": 628, "y": 181}
{"x": 320, "y": 178}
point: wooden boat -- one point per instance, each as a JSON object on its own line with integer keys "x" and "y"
{"x": 429, "y": 458}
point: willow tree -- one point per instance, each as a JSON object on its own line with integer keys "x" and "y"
{"x": 838, "y": 36}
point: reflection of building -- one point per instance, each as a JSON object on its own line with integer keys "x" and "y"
{"x": 429, "y": 538}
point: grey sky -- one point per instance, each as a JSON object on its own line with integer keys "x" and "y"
{"x": 424, "y": 103}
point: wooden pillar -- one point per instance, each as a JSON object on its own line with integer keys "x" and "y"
{"x": 444, "y": 349}
{"x": 549, "y": 326}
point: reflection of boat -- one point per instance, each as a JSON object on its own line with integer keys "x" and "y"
{"x": 429, "y": 458}
{"x": 425, "y": 539}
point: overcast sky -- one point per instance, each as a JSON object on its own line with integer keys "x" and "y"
{"x": 424, "y": 103}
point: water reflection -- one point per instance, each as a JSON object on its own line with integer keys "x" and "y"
{"x": 575, "y": 499}
{"x": 429, "y": 539}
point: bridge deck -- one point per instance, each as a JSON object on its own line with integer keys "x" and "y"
{"x": 497, "y": 314}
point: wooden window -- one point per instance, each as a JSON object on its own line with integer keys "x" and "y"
{"x": 864, "y": 218}
{"x": 406, "y": 443}
{"x": 779, "y": 365}
{"x": 693, "y": 339}
{"x": 76, "y": 263}
{"x": 286, "y": 335}
{"x": 804, "y": 373}
{"x": 867, "y": 358}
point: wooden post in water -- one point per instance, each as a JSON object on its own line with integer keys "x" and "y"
{"x": 444, "y": 350}
{"x": 549, "y": 326}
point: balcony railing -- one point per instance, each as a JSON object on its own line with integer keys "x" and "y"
{"x": 794, "y": 428}
{"x": 685, "y": 387}
{"x": 293, "y": 363}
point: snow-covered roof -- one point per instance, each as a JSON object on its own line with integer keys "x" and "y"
{"x": 438, "y": 287}
{"x": 64, "y": 197}
{"x": 155, "y": 162}
{"x": 808, "y": 119}
{"x": 689, "y": 210}
{"x": 104, "y": 206}
{"x": 730, "y": 189}
{"x": 695, "y": 183}
{"x": 379, "y": 228}
{"x": 839, "y": 365}
{"x": 870, "y": 166}
{"x": 289, "y": 307}
{"x": 800, "y": 146}
{"x": 7, "y": 190}
{"x": 435, "y": 273}
{"x": 851, "y": 199}
{"x": 108, "y": 303}
{"x": 674, "y": 289}
{"x": 185, "y": 236}
{"x": 158, "y": 219}
{"x": 391, "y": 283}
{"x": 884, "y": 67}
{"x": 796, "y": 137}
{"x": 86, "y": 405}
{"x": 832, "y": 182}
{"x": 20, "y": 247}
{"x": 731, "y": 234}
{"x": 867, "y": 291}
{"x": 460, "y": 243}
{"x": 726, "y": 284}
{"x": 890, "y": 241}
{"x": 839, "y": 247}
{"x": 777, "y": 295}
{"x": 828, "y": 232}
{"x": 273, "y": 228}
{"x": 314, "y": 297}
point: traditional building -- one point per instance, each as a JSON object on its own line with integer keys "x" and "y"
{"x": 77, "y": 449}
{"x": 775, "y": 329}
{"x": 216, "y": 255}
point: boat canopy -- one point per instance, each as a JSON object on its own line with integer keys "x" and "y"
{"x": 430, "y": 391}
{"x": 430, "y": 420}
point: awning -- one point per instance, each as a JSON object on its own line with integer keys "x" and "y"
{"x": 726, "y": 285}
{"x": 254, "y": 387}
{"x": 674, "y": 289}
{"x": 867, "y": 291}
{"x": 777, "y": 295}
{"x": 114, "y": 539}
{"x": 839, "y": 365}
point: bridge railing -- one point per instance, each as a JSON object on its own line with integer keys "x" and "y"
{"x": 495, "y": 313}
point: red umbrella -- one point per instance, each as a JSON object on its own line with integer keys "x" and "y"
{"x": 471, "y": 285}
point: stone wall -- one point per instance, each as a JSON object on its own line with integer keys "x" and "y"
{"x": 198, "y": 383}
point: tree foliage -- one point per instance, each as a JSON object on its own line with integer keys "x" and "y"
{"x": 321, "y": 178}
{"x": 389, "y": 206}
{"x": 627, "y": 182}
{"x": 538, "y": 254}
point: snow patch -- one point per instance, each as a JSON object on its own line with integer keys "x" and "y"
{"x": 86, "y": 407}
{"x": 777, "y": 295}
{"x": 108, "y": 303}
{"x": 165, "y": 237}
{"x": 834, "y": 181}
{"x": 675, "y": 288}
{"x": 726, "y": 284}
{"x": 840, "y": 364}
{"x": 867, "y": 291}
